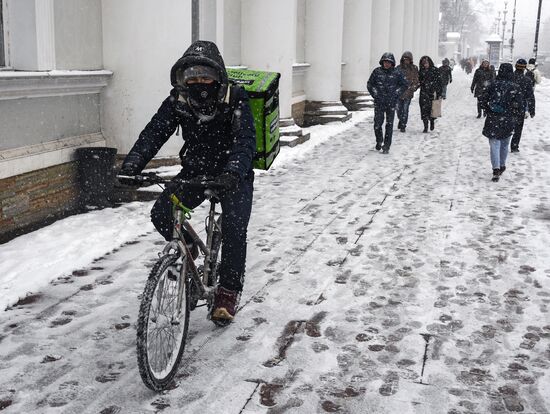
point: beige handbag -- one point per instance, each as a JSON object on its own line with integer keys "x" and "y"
{"x": 436, "y": 108}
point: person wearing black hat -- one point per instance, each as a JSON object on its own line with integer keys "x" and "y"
{"x": 219, "y": 141}
{"x": 526, "y": 87}
{"x": 533, "y": 73}
{"x": 505, "y": 102}
{"x": 385, "y": 84}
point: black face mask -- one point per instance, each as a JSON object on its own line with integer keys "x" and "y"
{"x": 203, "y": 97}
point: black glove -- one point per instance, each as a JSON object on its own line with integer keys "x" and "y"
{"x": 132, "y": 165}
{"x": 130, "y": 169}
{"x": 227, "y": 181}
{"x": 532, "y": 114}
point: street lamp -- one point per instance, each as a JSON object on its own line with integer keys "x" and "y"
{"x": 504, "y": 26}
{"x": 536, "y": 46}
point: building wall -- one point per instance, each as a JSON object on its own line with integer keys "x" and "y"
{"x": 49, "y": 107}
{"x": 78, "y": 38}
{"x": 26, "y": 122}
{"x": 142, "y": 40}
{"x": 35, "y": 198}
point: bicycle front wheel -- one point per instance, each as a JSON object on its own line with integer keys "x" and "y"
{"x": 162, "y": 323}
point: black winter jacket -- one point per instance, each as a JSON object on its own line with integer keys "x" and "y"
{"x": 481, "y": 80}
{"x": 446, "y": 74}
{"x": 227, "y": 143}
{"x": 386, "y": 85}
{"x": 430, "y": 80}
{"x": 505, "y": 102}
{"x": 526, "y": 85}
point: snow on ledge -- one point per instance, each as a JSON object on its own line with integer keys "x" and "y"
{"x": 21, "y": 84}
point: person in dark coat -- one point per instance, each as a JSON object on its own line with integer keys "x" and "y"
{"x": 220, "y": 141}
{"x": 410, "y": 72}
{"x": 386, "y": 84}
{"x": 505, "y": 102}
{"x": 430, "y": 89}
{"x": 446, "y": 73}
{"x": 527, "y": 88}
{"x": 482, "y": 76}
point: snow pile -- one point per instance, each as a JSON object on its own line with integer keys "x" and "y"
{"x": 31, "y": 261}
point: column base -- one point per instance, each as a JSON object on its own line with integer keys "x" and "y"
{"x": 323, "y": 112}
{"x": 291, "y": 134}
{"x": 357, "y": 100}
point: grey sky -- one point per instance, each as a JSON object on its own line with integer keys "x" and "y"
{"x": 526, "y": 17}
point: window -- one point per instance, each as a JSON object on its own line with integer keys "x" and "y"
{"x": 2, "y": 48}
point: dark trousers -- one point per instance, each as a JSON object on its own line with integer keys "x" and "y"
{"x": 403, "y": 111}
{"x": 480, "y": 106}
{"x": 236, "y": 209}
{"x": 517, "y": 133}
{"x": 381, "y": 112}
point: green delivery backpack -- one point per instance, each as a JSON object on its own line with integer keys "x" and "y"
{"x": 263, "y": 91}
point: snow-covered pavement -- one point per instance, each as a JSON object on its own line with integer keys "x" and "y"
{"x": 406, "y": 282}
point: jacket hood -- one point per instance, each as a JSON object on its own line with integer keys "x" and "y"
{"x": 389, "y": 57}
{"x": 407, "y": 55}
{"x": 205, "y": 53}
{"x": 506, "y": 72}
{"x": 429, "y": 59}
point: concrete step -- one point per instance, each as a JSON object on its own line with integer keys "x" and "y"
{"x": 290, "y": 131}
{"x": 293, "y": 140}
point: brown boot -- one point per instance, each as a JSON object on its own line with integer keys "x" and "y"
{"x": 225, "y": 306}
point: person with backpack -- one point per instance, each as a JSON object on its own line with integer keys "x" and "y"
{"x": 505, "y": 102}
{"x": 482, "y": 76}
{"x": 446, "y": 73}
{"x": 410, "y": 72}
{"x": 526, "y": 86}
{"x": 219, "y": 141}
{"x": 385, "y": 84}
{"x": 430, "y": 89}
{"x": 533, "y": 73}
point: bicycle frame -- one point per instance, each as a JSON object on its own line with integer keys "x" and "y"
{"x": 178, "y": 244}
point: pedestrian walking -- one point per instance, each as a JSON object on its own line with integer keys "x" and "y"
{"x": 533, "y": 73}
{"x": 526, "y": 86}
{"x": 505, "y": 103}
{"x": 482, "y": 76}
{"x": 446, "y": 73}
{"x": 430, "y": 89}
{"x": 219, "y": 141}
{"x": 385, "y": 84}
{"x": 410, "y": 72}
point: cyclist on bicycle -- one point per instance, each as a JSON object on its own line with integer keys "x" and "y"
{"x": 219, "y": 141}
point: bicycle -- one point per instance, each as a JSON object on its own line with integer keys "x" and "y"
{"x": 175, "y": 285}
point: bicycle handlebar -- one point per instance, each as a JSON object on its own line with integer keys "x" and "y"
{"x": 204, "y": 181}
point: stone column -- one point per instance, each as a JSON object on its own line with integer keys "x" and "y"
{"x": 324, "y": 35}
{"x": 428, "y": 4}
{"x": 269, "y": 43}
{"x": 435, "y": 39}
{"x": 409, "y": 26}
{"x": 397, "y": 22}
{"x": 380, "y": 30}
{"x": 418, "y": 51}
{"x": 356, "y": 54}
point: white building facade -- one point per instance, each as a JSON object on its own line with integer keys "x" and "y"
{"x": 79, "y": 73}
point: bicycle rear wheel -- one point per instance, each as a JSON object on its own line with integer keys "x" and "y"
{"x": 162, "y": 327}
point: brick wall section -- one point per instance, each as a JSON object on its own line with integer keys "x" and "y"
{"x": 30, "y": 200}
